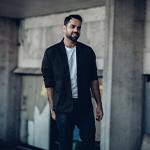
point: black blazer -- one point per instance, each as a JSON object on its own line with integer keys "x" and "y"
{"x": 55, "y": 70}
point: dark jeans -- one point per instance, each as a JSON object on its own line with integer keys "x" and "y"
{"x": 86, "y": 124}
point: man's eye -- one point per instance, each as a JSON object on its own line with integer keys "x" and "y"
{"x": 79, "y": 28}
{"x": 73, "y": 26}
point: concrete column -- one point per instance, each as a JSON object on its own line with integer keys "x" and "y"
{"x": 123, "y": 63}
{"x": 146, "y": 68}
{"x": 9, "y": 83}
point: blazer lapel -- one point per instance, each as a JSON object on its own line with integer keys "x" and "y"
{"x": 79, "y": 60}
{"x": 66, "y": 72}
{"x": 64, "y": 55}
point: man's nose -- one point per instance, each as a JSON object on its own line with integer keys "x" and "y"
{"x": 76, "y": 29}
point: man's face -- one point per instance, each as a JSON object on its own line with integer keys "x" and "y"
{"x": 72, "y": 29}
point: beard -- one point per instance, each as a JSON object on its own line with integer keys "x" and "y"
{"x": 73, "y": 37}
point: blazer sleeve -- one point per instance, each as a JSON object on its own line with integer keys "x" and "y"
{"x": 47, "y": 70}
{"x": 93, "y": 67}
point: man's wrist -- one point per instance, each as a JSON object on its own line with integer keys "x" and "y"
{"x": 99, "y": 104}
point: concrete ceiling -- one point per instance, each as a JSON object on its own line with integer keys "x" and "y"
{"x": 31, "y": 8}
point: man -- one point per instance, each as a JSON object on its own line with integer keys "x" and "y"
{"x": 69, "y": 72}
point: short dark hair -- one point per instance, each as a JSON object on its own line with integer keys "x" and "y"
{"x": 68, "y": 18}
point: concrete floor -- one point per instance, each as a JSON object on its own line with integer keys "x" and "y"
{"x": 18, "y": 148}
{"x": 76, "y": 146}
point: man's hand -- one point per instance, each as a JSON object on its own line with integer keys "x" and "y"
{"x": 99, "y": 113}
{"x": 53, "y": 114}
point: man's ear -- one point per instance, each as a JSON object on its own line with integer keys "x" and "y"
{"x": 64, "y": 28}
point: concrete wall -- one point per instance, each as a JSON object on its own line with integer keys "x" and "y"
{"x": 124, "y": 57}
{"x": 35, "y": 35}
{"x": 9, "y": 83}
{"x": 34, "y": 122}
{"x": 40, "y": 32}
{"x": 146, "y": 68}
{"x": 123, "y": 68}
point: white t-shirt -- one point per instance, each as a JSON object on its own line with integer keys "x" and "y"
{"x": 72, "y": 61}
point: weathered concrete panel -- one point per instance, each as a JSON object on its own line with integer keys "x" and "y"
{"x": 36, "y": 34}
{"x": 34, "y": 113}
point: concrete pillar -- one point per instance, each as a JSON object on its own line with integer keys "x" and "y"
{"x": 147, "y": 70}
{"x": 9, "y": 83}
{"x": 123, "y": 63}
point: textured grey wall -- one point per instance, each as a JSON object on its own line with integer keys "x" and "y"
{"x": 40, "y": 32}
{"x": 123, "y": 70}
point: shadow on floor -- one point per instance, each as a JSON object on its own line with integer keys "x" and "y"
{"x": 76, "y": 146}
